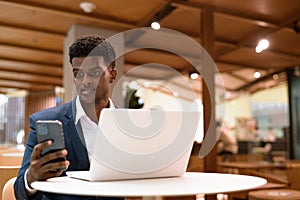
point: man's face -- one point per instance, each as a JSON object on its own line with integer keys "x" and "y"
{"x": 92, "y": 78}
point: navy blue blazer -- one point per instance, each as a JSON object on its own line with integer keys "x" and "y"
{"x": 77, "y": 153}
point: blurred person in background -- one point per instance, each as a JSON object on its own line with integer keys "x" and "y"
{"x": 227, "y": 144}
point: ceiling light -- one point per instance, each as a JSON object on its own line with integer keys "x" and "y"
{"x": 194, "y": 75}
{"x": 160, "y": 15}
{"x": 87, "y": 6}
{"x": 262, "y": 45}
{"x": 256, "y": 74}
{"x": 275, "y": 76}
{"x": 155, "y": 25}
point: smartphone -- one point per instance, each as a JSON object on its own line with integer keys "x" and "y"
{"x": 51, "y": 130}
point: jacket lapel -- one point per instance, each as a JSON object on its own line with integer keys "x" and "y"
{"x": 74, "y": 141}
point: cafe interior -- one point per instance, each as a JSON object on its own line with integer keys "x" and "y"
{"x": 237, "y": 62}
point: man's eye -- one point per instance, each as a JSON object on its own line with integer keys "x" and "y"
{"x": 80, "y": 74}
{"x": 95, "y": 73}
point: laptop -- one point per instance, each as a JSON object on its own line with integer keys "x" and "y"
{"x": 140, "y": 143}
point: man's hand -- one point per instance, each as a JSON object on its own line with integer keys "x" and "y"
{"x": 40, "y": 168}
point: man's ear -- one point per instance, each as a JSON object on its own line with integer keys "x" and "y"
{"x": 113, "y": 75}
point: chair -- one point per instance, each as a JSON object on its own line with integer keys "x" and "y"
{"x": 8, "y": 190}
{"x": 6, "y": 173}
{"x": 276, "y": 194}
{"x": 291, "y": 192}
{"x": 293, "y": 174}
{"x": 274, "y": 182}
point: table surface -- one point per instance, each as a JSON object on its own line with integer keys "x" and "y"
{"x": 191, "y": 183}
{"x": 251, "y": 165}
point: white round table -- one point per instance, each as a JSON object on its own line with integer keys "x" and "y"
{"x": 191, "y": 183}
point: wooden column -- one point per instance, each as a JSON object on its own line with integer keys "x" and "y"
{"x": 208, "y": 89}
{"x": 294, "y": 109}
{"x": 208, "y": 85}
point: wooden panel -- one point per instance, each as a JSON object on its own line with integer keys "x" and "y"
{"x": 30, "y": 55}
{"x": 29, "y": 38}
{"x": 184, "y": 20}
{"x": 247, "y": 56}
{"x": 147, "y": 56}
{"x": 27, "y": 67}
{"x": 24, "y": 85}
{"x": 284, "y": 41}
{"x": 30, "y": 78}
{"x": 236, "y": 29}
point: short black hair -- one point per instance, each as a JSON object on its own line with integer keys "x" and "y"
{"x": 93, "y": 45}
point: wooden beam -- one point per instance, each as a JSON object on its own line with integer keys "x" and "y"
{"x": 30, "y": 55}
{"x": 24, "y": 77}
{"x": 146, "y": 56}
{"x": 33, "y": 39}
{"x": 26, "y": 67}
{"x": 238, "y": 77}
{"x": 146, "y": 21}
{"x": 199, "y": 6}
{"x": 24, "y": 85}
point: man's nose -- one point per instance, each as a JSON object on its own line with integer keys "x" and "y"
{"x": 87, "y": 79}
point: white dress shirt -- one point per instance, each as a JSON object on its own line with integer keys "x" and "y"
{"x": 89, "y": 128}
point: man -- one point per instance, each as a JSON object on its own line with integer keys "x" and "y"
{"x": 93, "y": 62}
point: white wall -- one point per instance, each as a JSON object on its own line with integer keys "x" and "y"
{"x": 241, "y": 107}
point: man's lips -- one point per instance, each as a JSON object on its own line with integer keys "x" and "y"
{"x": 87, "y": 91}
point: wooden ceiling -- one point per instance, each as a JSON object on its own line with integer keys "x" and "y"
{"x": 32, "y": 34}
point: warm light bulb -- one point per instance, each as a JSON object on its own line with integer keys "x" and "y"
{"x": 87, "y": 6}
{"x": 262, "y": 45}
{"x": 258, "y": 49}
{"x": 194, "y": 75}
{"x": 155, "y": 25}
{"x": 256, "y": 74}
{"x": 275, "y": 76}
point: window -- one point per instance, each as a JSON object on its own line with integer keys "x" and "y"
{"x": 12, "y": 114}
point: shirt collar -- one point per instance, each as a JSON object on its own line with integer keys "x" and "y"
{"x": 80, "y": 112}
